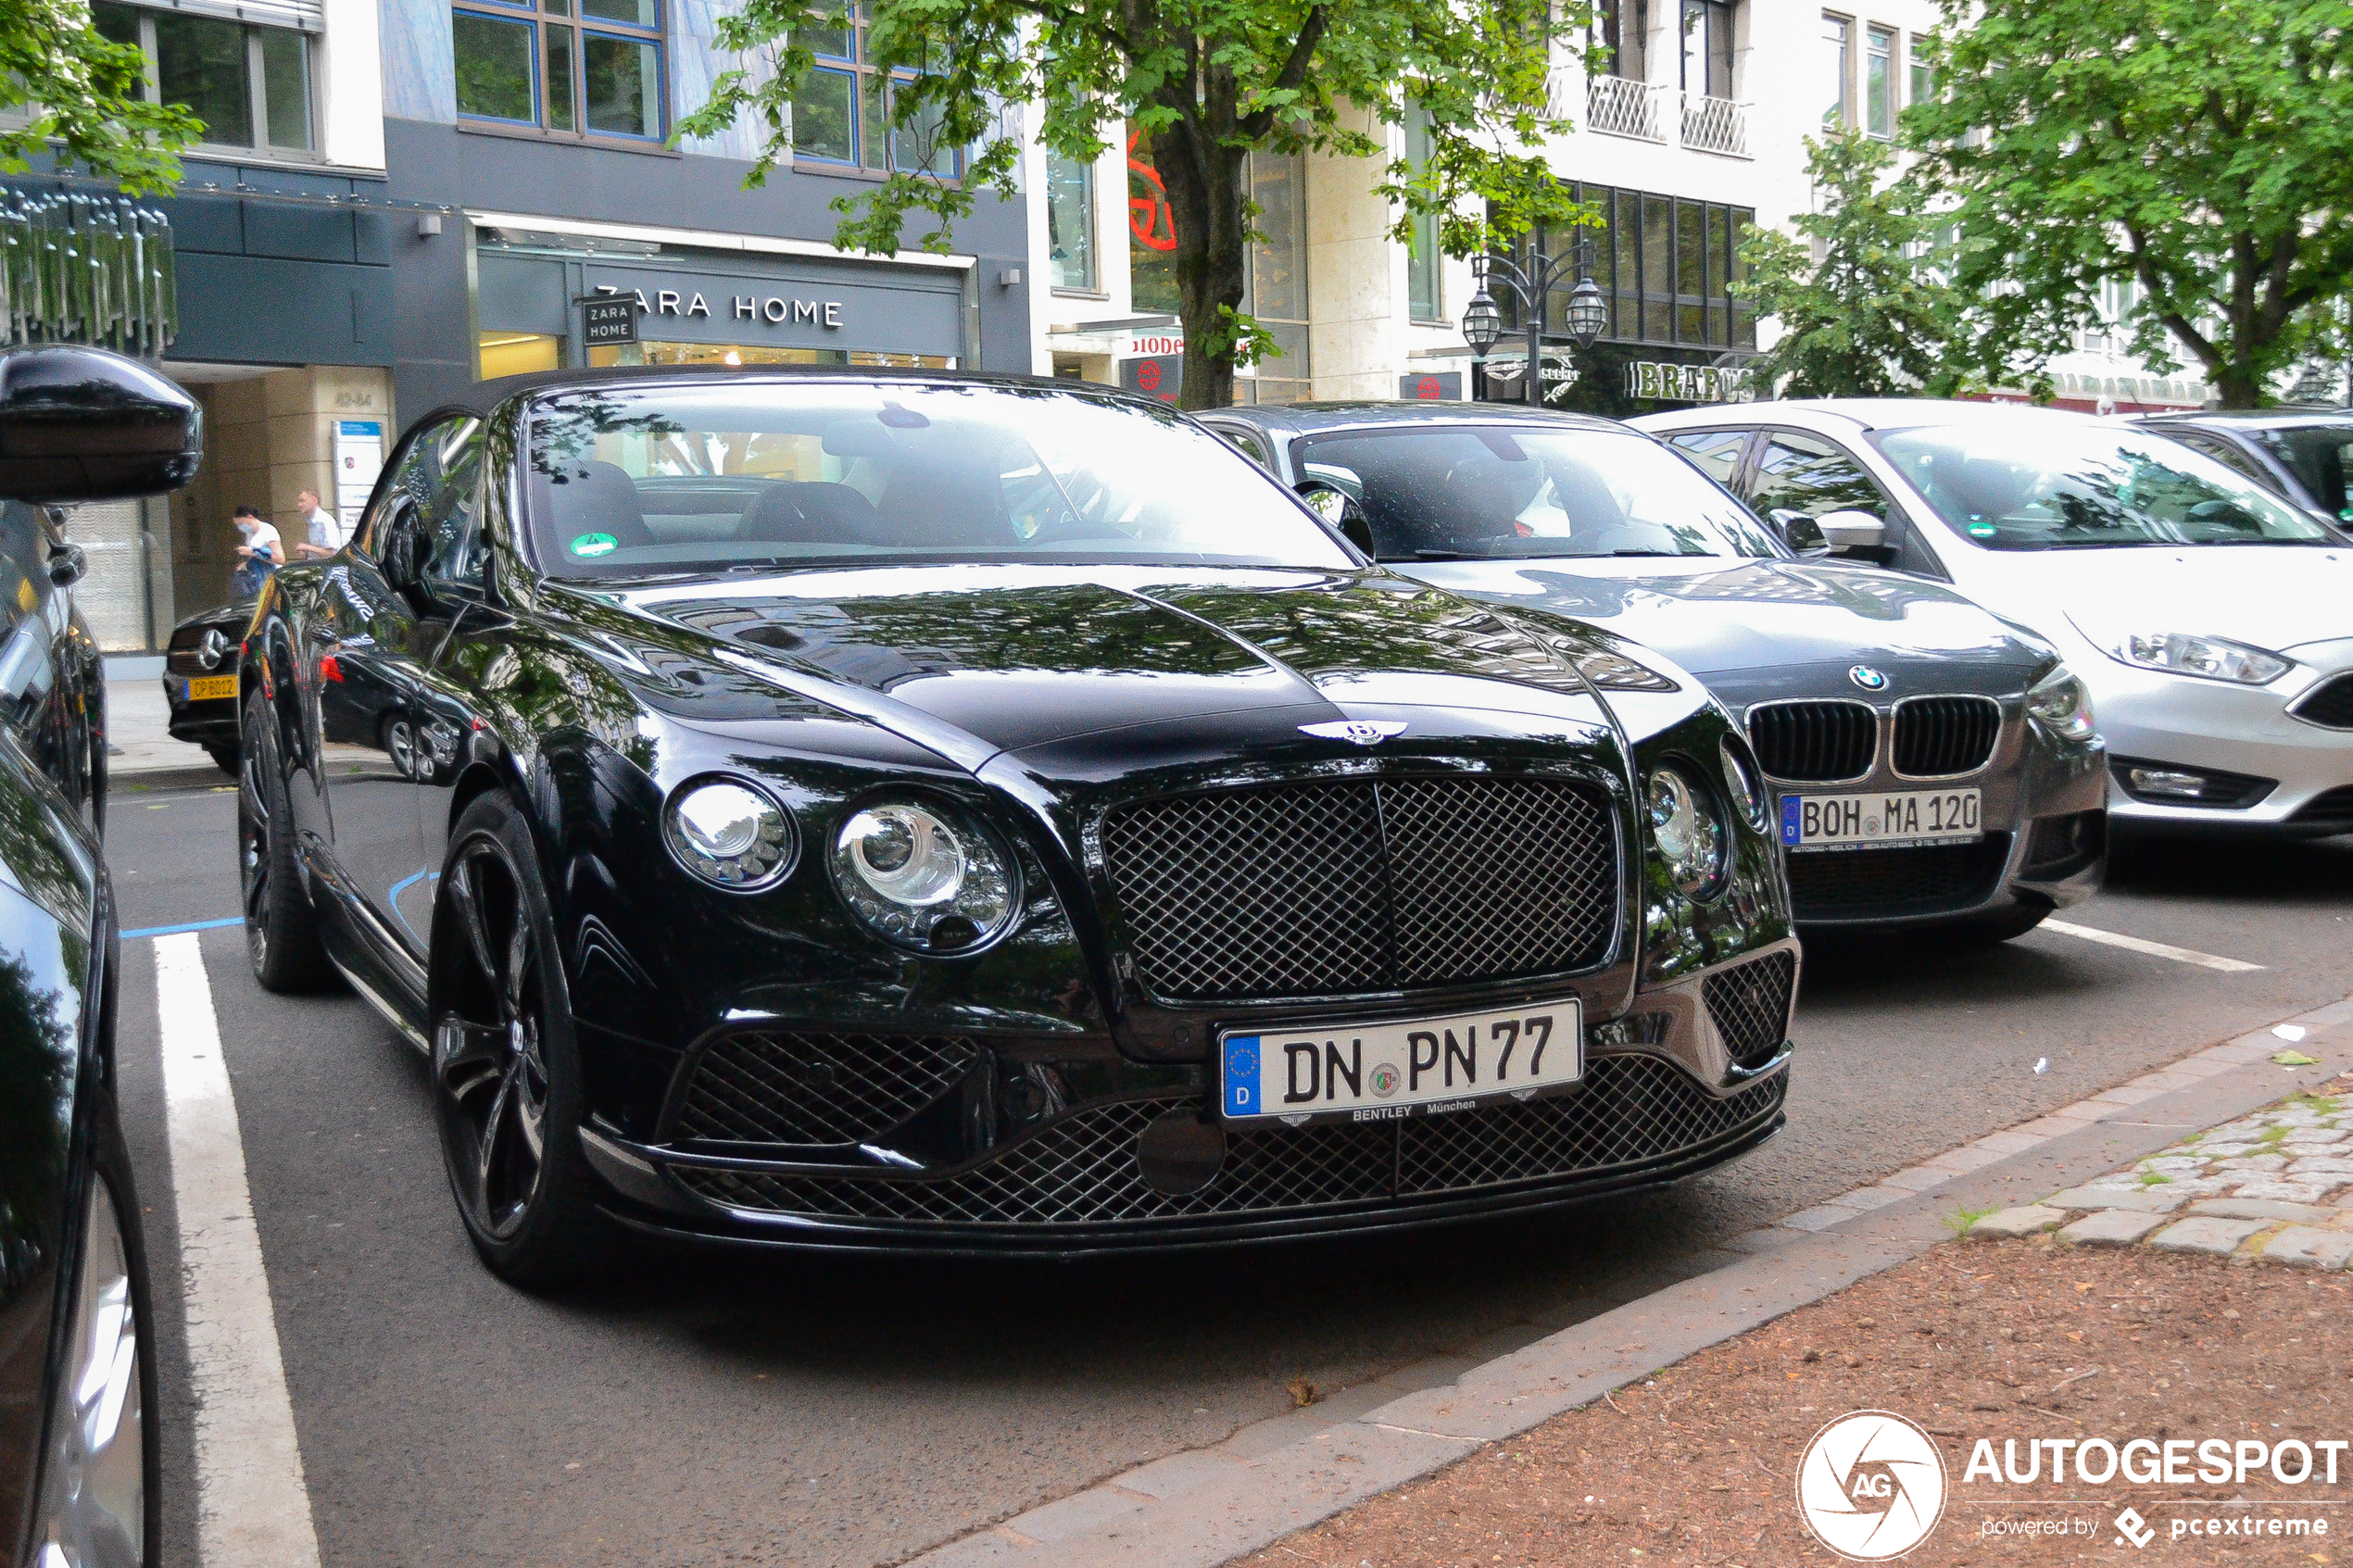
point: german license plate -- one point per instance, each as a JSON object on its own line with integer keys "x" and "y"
{"x": 1896, "y": 819}
{"x": 1388, "y": 1071}
{"x": 205, "y": 688}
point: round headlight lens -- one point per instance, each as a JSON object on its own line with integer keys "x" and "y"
{"x": 729, "y": 834}
{"x": 1691, "y": 837}
{"x": 917, "y": 876}
{"x": 1743, "y": 783}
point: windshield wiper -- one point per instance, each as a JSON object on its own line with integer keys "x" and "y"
{"x": 1671, "y": 555}
{"x": 1444, "y": 555}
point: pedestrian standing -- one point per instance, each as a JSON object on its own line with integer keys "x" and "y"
{"x": 262, "y": 553}
{"x": 325, "y": 531}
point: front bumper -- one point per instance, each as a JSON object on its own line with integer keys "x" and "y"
{"x": 1694, "y": 1074}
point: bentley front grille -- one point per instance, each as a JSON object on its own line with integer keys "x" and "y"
{"x": 1814, "y": 742}
{"x": 815, "y": 1090}
{"x": 1081, "y": 1169}
{"x": 1750, "y": 1005}
{"x": 1323, "y": 889}
{"x": 1858, "y": 881}
{"x": 1939, "y": 736}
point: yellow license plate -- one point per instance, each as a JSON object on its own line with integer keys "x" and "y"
{"x": 205, "y": 688}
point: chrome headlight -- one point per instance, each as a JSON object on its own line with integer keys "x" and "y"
{"x": 2211, "y": 658}
{"x": 917, "y": 876}
{"x": 729, "y": 834}
{"x": 2060, "y": 705}
{"x": 1691, "y": 835}
{"x": 1746, "y": 793}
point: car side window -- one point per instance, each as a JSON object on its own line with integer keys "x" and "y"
{"x": 1804, "y": 473}
{"x": 414, "y": 472}
{"x": 453, "y": 531}
{"x": 1248, "y": 443}
{"x": 2223, "y": 450}
{"x": 1716, "y": 451}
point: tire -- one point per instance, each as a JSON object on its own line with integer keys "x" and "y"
{"x": 106, "y": 1431}
{"x": 225, "y": 756}
{"x": 281, "y": 927}
{"x": 1990, "y": 930}
{"x": 505, "y": 1060}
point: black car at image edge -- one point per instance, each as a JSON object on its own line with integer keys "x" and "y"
{"x": 849, "y": 809}
{"x": 200, "y": 680}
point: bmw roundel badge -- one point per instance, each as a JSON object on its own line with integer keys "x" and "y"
{"x": 1868, "y": 678}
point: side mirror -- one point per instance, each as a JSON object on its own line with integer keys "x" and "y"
{"x": 67, "y": 564}
{"x": 1851, "y": 531}
{"x": 400, "y": 551}
{"x": 1799, "y": 531}
{"x": 83, "y": 425}
{"x": 1340, "y": 509}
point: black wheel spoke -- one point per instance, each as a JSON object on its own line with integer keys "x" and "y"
{"x": 515, "y": 990}
{"x": 465, "y": 899}
{"x": 486, "y": 1161}
{"x": 471, "y": 1057}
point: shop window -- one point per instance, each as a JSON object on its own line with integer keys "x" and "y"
{"x": 760, "y": 354}
{"x": 541, "y": 65}
{"x": 1274, "y": 281}
{"x": 1879, "y": 83}
{"x": 1838, "y": 48}
{"x": 1425, "y": 266}
{"x": 514, "y": 354}
{"x": 1708, "y": 47}
{"x": 1667, "y": 266}
{"x": 841, "y": 111}
{"x": 250, "y": 85}
{"x": 1151, "y": 231}
{"x": 1070, "y": 224}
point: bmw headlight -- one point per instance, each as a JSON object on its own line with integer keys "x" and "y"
{"x": 729, "y": 832}
{"x": 1692, "y": 837}
{"x": 2060, "y": 705}
{"x": 2211, "y": 658}
{"x": 1746, "y": 793}
{"x": 917, "y": 876}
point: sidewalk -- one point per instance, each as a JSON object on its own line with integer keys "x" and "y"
{"x": 138, "y": 725}
{"x": 2197, "y": 1295}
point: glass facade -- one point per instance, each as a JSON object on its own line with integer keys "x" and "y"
{"x": 250, "y": 85}
{"x": 1070, "y": 224}
{"x": 1666, "y": 264}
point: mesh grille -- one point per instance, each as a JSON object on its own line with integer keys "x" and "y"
{"x": 1326, "y": 889}
{"x": 1936, "y": 736}
{"x": 1813, "y": 742}
{"x": 1895, "y": 881}
{"x": 816, "y": 1089}
{"x": 1750, "y": 1005}
{"x": 1081, "y": 1169}
{"x": 2329, "y": 705}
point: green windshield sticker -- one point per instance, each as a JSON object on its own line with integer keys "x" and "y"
{"x": 1976, "y": 531}
{"x": 595, "y": 544}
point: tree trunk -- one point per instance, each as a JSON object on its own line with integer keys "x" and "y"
{"x": 1203, "y": 179}
{"x": 2236, "y": 389}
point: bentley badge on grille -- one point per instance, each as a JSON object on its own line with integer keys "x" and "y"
{"x": 1364, "y": 732}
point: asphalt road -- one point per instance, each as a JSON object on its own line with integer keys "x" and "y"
{"x": 718, "y": 1409}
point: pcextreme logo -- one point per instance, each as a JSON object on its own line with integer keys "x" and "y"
{"x": 1872, "y": 1486}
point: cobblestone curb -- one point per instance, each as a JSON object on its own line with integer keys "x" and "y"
{"x": 2272, "y": 1187}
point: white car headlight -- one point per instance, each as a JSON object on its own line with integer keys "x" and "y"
{"x": 1691, "y": 836}
{"x": 2060, "y": 705}
{"x": 729, "y": 834}
{"x": 2211, "y": 658}
{"x": 918, "y": 877}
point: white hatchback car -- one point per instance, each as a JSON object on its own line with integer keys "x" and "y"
{"x": 2212, "y": 623}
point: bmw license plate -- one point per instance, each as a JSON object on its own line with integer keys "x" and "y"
{"x": 1387, "y": 1071}
{"x": 1894, "y": 819}
{"x": 205, "y": 688}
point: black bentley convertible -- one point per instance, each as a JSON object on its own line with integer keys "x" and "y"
{"x": 869, "y": 811}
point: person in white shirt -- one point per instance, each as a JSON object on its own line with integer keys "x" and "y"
{"x": 326, "y": 530}
{"x": 262, "y": 553}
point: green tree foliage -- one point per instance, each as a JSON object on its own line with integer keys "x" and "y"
{"x": 1873, "y": 316}
{"x": 81, "y": 92}
{"x": 2201, "y": 148}
{"x": 1207, "y": 82}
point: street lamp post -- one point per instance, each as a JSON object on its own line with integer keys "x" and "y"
{"x": 1586, "y": 314}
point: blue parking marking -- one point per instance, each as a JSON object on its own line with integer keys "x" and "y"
{"x": 176, "y": 930}
{"x": 1241, "y": 1075}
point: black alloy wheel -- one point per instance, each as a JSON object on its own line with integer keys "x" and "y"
{"x": 505, "y": 1074}
{"x": 281, "y": 928}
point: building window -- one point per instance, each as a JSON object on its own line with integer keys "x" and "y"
{"x": 1277, "y": 277}
{"x": 1923, "y": 83}
{"x": 512, "y": 354}
{"x": 538, "y": 64}
{"x": 1838, "y": 48}
{"x": 1621, "y": 35}
{"x": 1070, "y": 224}
{"x": 1707, "y": 48}
{"x": 1879, "y": 83}
{"x": 1426, "y": 266}
{"x": 1667, "y": 266}
{"x": 250, "y": 85}
{"x": 841, "y": 114}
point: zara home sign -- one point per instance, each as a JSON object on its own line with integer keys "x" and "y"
{"x": 772, "y": 309}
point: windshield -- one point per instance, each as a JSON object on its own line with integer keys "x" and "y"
{"x": 2317, "y": 455}
{"x": 2056, "y": 485}
{"x": 637, "y": 481}
{"x": 1519, "y": 492}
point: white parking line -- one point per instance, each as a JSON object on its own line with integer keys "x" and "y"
{"x": 2160, "y": 950}
{"x": 252, "y": 1508}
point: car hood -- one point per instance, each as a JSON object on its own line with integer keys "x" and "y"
{"x": 2273, "y": 597}
{"x": 1009, "y": 659}
{"x": 1732, "y": 623}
